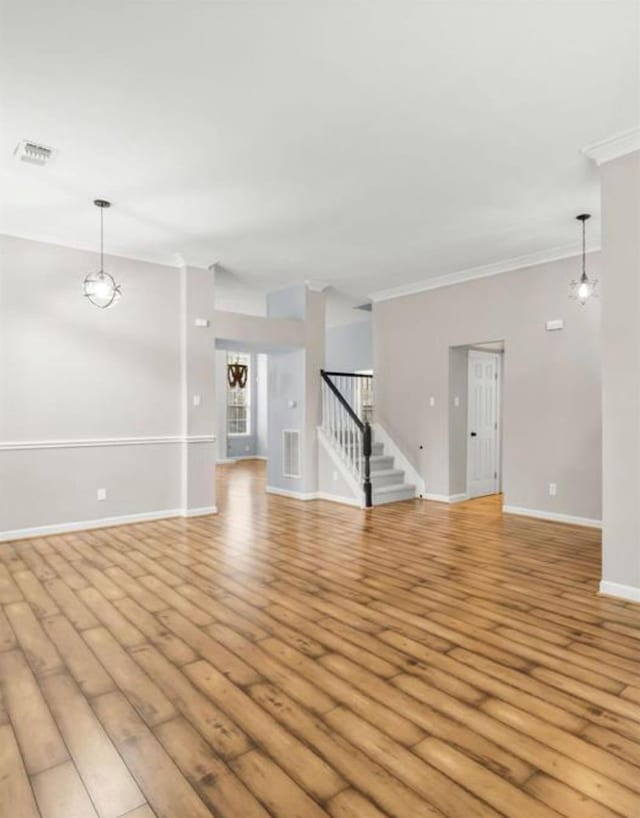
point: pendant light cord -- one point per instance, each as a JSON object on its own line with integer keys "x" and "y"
{"x": 102, "y": 240}
{"x": 584, "y": 249}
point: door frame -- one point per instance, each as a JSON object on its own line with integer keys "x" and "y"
{"x": 499, "y": 360}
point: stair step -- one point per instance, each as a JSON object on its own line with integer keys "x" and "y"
{"x": 387, "y": 477}
{"x": 394, "y": 493}
{"x": 381, "y": 462}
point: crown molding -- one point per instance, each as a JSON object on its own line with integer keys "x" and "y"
{"x": 615, "y": 146}
{"x": 483, "y": 271}
{"x": 315, "y": 285}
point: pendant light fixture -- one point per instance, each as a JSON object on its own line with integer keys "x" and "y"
{"x": 100, "y": 288}
{"x": 584, "y": 288}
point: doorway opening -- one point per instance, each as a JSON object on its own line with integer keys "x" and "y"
{"x": 475, "y": 420}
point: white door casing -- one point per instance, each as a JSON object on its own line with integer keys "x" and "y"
{"x": 483, "y": 423}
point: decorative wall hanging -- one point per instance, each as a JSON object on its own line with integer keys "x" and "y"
{"x": 237, "y": 374}
{"x": 584, "y": 288}
{"x": 100, "y": 288}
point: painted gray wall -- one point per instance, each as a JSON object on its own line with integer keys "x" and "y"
{"x": 349, "y": 348}
{"x": 71, "y": 372}
{"x": 621, "y": 371}
{"x": 551, "y": 381}
{"x": 294, "y": 375}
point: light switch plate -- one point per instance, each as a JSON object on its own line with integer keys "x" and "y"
{"x": 101, "y": 494}
{"x": 201, "y": 322}
{"x": 432, "y": 401}
{"x": 196, "y": 400}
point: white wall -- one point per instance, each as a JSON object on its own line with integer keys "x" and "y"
{"x": 95, "y": 398}
{"x": 349, "y": 348}
{"x": 551, "y": 382}
{"x": 621, "y": 381}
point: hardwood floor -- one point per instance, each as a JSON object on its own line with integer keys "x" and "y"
{"x": 299, "y": 660}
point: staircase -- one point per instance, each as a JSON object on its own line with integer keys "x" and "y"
{"x": 388, "y": 483}
{"x": 347, "y": 402}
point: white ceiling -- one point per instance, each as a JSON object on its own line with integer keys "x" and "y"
{"x": 367, "y": 145}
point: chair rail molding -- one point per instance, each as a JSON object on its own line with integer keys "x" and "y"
{"x": 95, "y": 442}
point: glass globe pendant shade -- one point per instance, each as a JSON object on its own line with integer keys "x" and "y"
{"x": 101, "y": 289}
{"x": 584, "y": 288}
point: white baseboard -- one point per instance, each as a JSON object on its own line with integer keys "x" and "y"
{"x": 313, "y": 495}
{"x": 336, "y": 498}
{"x": 458, "y": 498}
{"x": 226, "y": 460}
{"x": 294, "y": 495}
{"x": 203, "y": 511}
{"x": 552, "y": 516}
{"x": 104, "y": 522}
{"x": 445, "y": 498}
{"x": 628, "y": 592}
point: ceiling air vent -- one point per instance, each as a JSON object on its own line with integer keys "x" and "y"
{"x": 34, "y": 153}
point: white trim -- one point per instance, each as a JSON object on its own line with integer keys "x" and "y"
{"x": 380, "y": 435}
{"x": 295, "y": 495}
{"x": 227, "y": 460}
{"x": 483, "y": 271}
{"x": 615, "y": 146}
{"x": 628, "y": 592}
{"x": 335, "y": 498}
{"x": 105, "y": 522}
{"x": 552, "y": 516}
{"x": 445, "y": 498}
{"x": 104, "y": 441}
{"x": 203, "y": 511}
{"x": 312, "y": 495}
{"x": 458, "y": 498}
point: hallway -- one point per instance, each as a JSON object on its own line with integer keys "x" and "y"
{"x": 299, "y": 660}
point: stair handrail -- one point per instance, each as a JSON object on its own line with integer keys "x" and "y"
{"x": 363, "y": 426}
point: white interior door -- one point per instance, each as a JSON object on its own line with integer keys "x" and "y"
{"x": 483, "y": 447}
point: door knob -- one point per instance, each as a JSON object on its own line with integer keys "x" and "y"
{"x": 474, "y": 434}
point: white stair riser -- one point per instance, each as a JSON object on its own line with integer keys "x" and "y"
{"x": 394, "y": 477}
{"x": 401, "y": 494}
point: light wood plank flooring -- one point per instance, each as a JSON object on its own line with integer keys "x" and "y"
{"x": 299, "y": 660}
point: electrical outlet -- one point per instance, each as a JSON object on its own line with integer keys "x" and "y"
{"x": 456, "y": 401}
{"x": 335, "y": 475}
{"x": 553, "y": 489}
{"x": 101, "y": 494}
{"x": 432, "y": 401}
